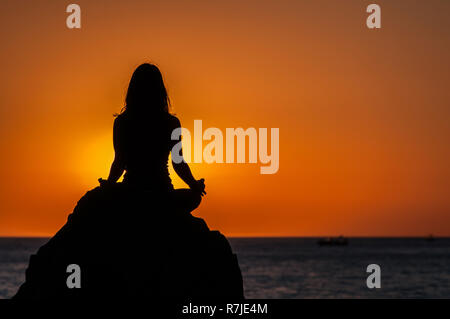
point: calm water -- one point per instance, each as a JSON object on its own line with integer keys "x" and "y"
{"x": 299, "y": 268}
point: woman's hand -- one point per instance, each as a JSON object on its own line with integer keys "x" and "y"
{"x": 199, "y": 186}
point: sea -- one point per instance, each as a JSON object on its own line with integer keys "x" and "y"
{"x": 300, "y": 268}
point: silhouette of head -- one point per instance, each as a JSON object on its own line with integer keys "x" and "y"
{"x": 146, "y": 91}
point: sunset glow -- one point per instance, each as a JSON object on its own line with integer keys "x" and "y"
{"x": 363, "y": 114}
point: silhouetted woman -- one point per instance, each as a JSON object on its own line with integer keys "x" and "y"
{"x": 142, "y": 141}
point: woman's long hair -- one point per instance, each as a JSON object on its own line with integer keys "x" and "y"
{"x": 146, "y": 93}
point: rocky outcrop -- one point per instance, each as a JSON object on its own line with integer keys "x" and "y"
{"x": 133, "y": 244}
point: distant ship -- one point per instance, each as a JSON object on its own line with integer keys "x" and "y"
{"x": 430, "y": 238}
{"x": 330, "y": 241}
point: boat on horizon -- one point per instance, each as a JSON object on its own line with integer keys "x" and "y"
{"x": 333, "y": 241}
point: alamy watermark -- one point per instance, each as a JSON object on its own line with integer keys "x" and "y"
{"x": 374, "y": 279}
{"x": 219, "y": 151}
{"x": 73, "y": 21}
{"x": 74, "y": 279}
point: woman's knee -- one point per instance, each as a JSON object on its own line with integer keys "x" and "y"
{"x": 187, "y": 198}
{"x": 194, "y": 199}
{"x": 197, "y": 199}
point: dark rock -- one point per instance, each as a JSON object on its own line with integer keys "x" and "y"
{"x": 133, "y": 244}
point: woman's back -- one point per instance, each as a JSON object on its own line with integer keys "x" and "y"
{"x": 142, "y": 139}
{"x": 144, "y": 144}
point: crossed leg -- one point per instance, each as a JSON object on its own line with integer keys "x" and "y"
{"x": 185, "y": 200}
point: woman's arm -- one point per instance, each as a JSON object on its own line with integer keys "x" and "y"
{"x": 116, "y": 170}
{"x": 118, "y": 166}
{"x": 184, "y": 171}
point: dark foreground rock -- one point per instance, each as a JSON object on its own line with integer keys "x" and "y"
{"x": 133, "y": 244}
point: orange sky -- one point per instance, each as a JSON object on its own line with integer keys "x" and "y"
{"x": 363, "y": 114}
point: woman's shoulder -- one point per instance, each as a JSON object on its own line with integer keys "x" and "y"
{"x": 120, "y": 121}
{"x": 123, "y": 117}
{"x": 174, "y": 121}
{"x": 119, "y": 117}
